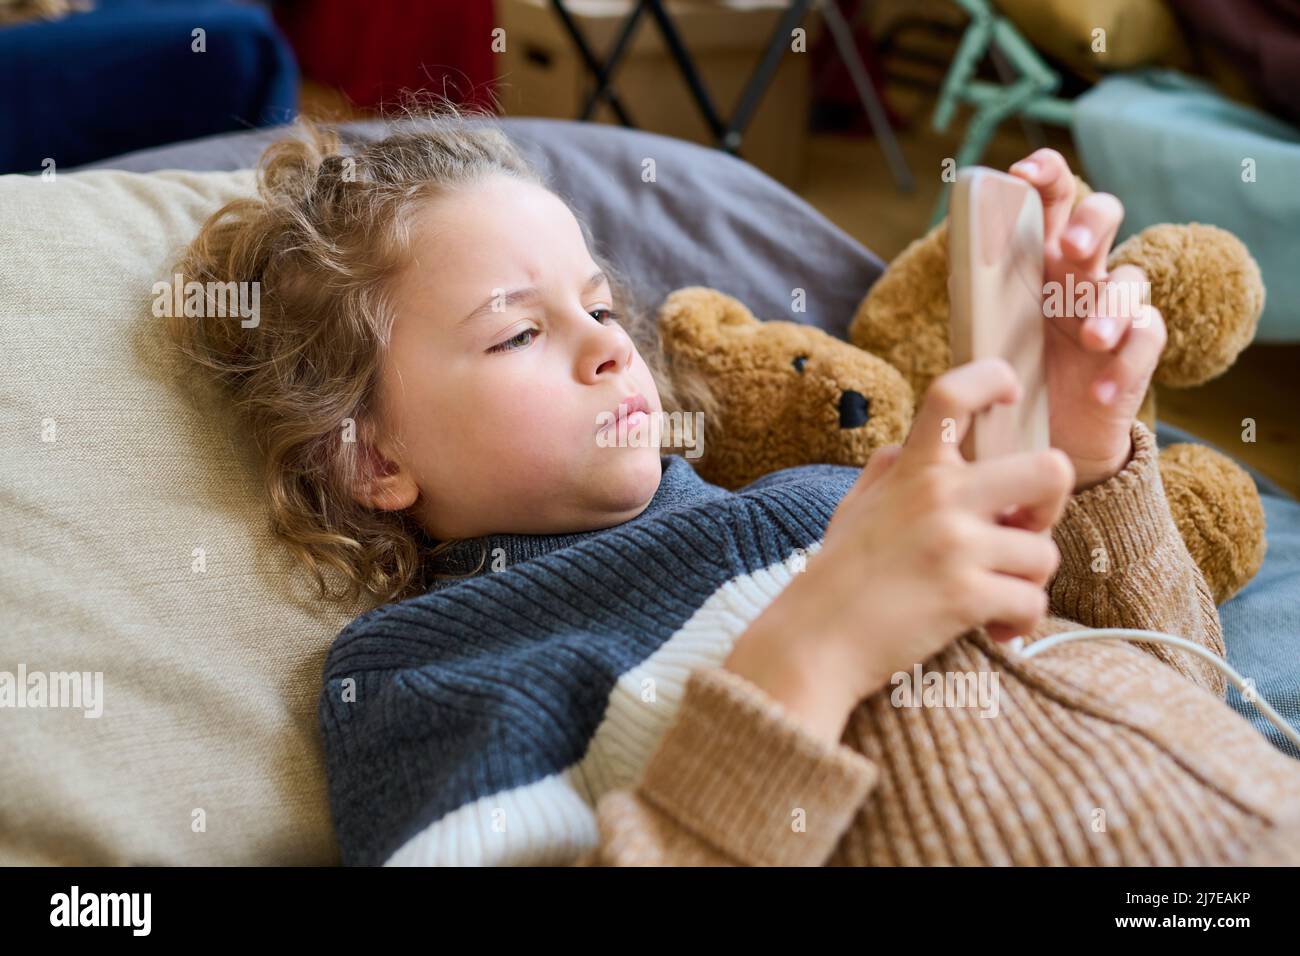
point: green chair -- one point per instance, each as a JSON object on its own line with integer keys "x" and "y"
{"x": 1027, "y": 90}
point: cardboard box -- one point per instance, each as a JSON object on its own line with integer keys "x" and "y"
{"x": 542, "y": 73}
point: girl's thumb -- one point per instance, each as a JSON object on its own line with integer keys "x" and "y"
{"x": 879, "y": 463}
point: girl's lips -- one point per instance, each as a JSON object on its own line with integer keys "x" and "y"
{"x": 632, "y": 409}
{"x": 631, "y": 421}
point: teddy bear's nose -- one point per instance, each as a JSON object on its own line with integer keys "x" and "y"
{"x": 855, "y": 409}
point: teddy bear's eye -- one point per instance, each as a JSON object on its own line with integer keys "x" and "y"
{"x": 798, "y": 363}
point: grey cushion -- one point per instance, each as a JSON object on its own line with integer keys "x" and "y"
{"x": 708, "y": 219}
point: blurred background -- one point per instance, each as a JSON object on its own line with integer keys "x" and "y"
{"x": 859, "y": 106}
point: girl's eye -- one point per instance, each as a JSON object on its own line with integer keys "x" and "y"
{"x": 507, "y": 345}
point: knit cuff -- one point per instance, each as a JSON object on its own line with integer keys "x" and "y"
{"x": 742, "y": 773}
{"x": 1123, "y": 520}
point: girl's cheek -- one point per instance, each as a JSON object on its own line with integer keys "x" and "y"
{"x": 530, "y": 414}
{"x": 651, "y": 389}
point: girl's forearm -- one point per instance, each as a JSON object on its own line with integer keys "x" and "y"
{"x": 775, "y": 655}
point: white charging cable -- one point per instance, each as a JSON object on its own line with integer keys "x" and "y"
{"x": 1017, "y": 647}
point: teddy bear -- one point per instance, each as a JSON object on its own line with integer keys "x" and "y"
{"x": 791, "y": 394}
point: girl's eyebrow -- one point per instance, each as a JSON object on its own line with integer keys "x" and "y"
{"x": 526, "y": 295}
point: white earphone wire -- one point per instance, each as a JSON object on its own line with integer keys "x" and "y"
{"x": 1134, "y": 634}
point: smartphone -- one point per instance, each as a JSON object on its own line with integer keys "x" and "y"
{"x": 995, "y": 295}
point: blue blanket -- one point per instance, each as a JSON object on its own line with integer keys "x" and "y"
{"x": 124, "y": 76}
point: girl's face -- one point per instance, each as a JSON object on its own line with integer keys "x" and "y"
{"x": 503, "y": 364}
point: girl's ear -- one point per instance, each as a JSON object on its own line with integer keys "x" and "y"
{"x": 382, "y": 483}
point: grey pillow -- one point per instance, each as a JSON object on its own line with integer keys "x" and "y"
{"x": 708, "y": 219}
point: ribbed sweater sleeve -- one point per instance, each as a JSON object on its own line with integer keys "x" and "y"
{"x": 1124, "y": 564}
{"x": 735, "y": 780}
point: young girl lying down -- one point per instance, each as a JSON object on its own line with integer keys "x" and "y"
{"x": 583, "y": 653}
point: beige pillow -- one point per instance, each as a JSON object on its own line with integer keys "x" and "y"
{"x": 112, "y": 478}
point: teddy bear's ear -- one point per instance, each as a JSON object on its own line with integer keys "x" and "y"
{"x": 701, "y": 319}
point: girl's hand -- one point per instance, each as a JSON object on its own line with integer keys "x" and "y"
{"x": 1100, "y": 357}
{"x": 924, "y": 547}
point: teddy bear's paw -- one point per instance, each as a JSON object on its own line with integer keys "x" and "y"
{"x": 1209, "y": 291}
{"x": 1219, "y": 515}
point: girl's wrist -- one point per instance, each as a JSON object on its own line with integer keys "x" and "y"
{"x": 780, "y": 659}
{"x": 1089, "y": 474}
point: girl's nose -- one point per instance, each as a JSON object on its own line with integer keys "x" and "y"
{"x": 605, "y": 350}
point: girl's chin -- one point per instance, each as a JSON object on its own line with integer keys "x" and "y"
{"x": 628, "y": 477}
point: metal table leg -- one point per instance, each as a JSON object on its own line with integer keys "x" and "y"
{"x": 593, "y": 65}
{"x": 843, "y": 37}
{"x": 728, "y": 135}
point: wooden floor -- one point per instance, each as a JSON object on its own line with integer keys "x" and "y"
{"x": 850, "y": 184}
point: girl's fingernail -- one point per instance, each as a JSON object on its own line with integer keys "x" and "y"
{"x": 1028, "y": 167}
{"x": 1104, "y": 326}
{"x": 1105, "y": 391}
{"x": 1080, "y": 237}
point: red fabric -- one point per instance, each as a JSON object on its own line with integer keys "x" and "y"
{"x": 836, "y": 105}
{"x": 372, "y": 51}
{"x": 1260, "y": 37}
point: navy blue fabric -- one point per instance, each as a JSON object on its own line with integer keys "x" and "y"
{"x": 500, "y": 680}
{"x": 123, "y": 77}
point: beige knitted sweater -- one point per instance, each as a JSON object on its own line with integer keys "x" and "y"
{"x": 1098, "y": 753}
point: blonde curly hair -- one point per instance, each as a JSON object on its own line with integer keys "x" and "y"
{"x": 322, "y": 237}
